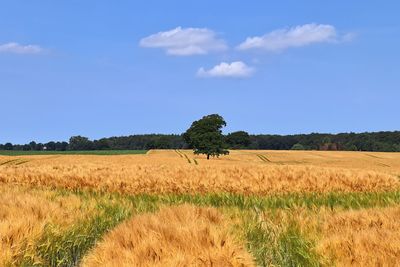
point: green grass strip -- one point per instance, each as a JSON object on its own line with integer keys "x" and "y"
{"x": 331, "y": 200}
{"x": 280, "y": 201}
{"x": 68, "y": 247}
{"x": 278, "y": 246}
{"x": 86, "y": 152}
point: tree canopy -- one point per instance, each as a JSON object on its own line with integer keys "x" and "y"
{"x": 205, "y": 136}
{"x": 80, "y": 143}
{"x": 298, "y": 147}
{"x": 238, "y": 140}
{"x": 370, "y": 141}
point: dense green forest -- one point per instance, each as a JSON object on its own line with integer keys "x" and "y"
{"x": 373, "y": 141}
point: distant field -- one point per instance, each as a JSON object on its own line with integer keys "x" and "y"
{"x": 83, "y": 152}
{"x": 250, "y": 208}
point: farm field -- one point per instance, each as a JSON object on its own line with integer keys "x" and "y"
{"x": 173, "y": 208}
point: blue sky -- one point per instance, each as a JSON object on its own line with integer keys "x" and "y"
{"x": 100, "y": 69}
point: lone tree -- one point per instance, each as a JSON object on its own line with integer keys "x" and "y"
{"x": 205, "y": 136}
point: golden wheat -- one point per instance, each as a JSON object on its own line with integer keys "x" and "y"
{"x": 365, "y": 238}
{"x": 174, "y": 236}
{"x": 167, "y": 172}
{"x": 368, "y": 237}
{"x": 375, "y": 161}
{"x": 24, "y": 213}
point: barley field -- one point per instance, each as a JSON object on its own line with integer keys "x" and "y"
{"x": 174, "y": 208}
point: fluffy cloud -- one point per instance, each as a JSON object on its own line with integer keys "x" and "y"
{"x": 185, "y": 41}
{"x": 17, "y": 48}
{"x": 298, "y": 36}
{"x": 234, "y": 69}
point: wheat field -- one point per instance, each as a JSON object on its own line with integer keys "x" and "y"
{"x": 241, "y": 172}
{"x": 250, "y": 208}
{"x": 178, "y": 236}
{"x": 26, "y": 213}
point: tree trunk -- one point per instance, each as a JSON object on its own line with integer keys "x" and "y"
{"x": 208, "y": 156}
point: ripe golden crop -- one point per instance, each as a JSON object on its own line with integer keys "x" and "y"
{"x": 178, "y": 236}
{"x": 24, "y": 214}
{"x": 33, "y": 196}
{"x": 243, "y": 172}
{"x": 368, "y": 237}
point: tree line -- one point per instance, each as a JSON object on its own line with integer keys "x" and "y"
{"x": 371, "y": 141}
{"x": 206, "y": 135}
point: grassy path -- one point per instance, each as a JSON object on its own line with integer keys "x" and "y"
{"x": 286, "y": 246}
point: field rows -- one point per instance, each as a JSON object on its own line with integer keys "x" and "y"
{"x": 258, "y": 229}
{"x": 248, "y": 209}
{"x": 176, "y": 172}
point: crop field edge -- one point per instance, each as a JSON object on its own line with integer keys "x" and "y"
{"x": 254, "y": 235}
{"x": 73, "y": 152}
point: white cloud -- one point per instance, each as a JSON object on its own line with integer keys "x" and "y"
{"x": 17, "y": 48}
{"x": 298, "y": 36}
{"x": 235, "y": 69}
{"x": 185, "y": 41}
